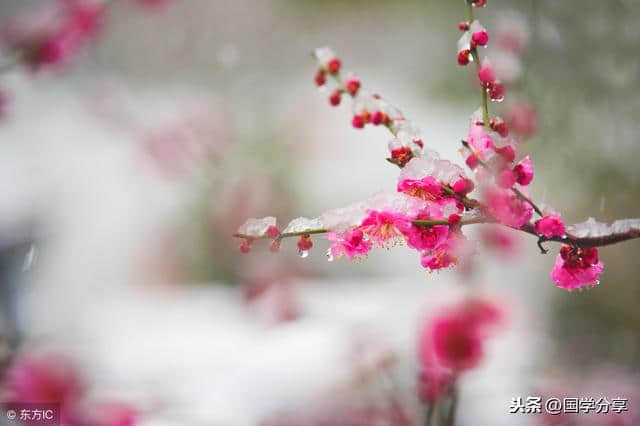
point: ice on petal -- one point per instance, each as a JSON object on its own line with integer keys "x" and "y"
{"x": 443, "y": 171}
{"x": 364, "y": 101}
{"x": 593, "y": 228}
{"x": 395, "y": 202}
{"x": 464, "y": 41}
{"x": 343, "y": 218}
{"x": 324, "y": 55}
{"x": 301, "y": 224}
{"x": 257, "y": 227}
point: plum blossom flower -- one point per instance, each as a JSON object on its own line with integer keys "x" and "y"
{"x": 51, "y": 36}
{"x": 426, "y": 188}
{"x": 448, "y": 253}
{"x": 576, "y": 267}
{"x": 350, "y": 244}
{"x": 550, "y": 226}
{"x": 479, "y": 139}
{"x": 45, "y": 378}
{"x": 453, "y": 342}
{"x": 507, "y": 208}
{"x": 383, "y": 227}
{"x": 522, "y": 118}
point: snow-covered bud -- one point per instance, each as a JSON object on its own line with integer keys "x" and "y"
{"x": 464, "y": 57}
{"x": 486, "y": 74}
{"x": 273, "y": 231}
{"x": 479, "y": 34}
{"x": 401, "y": 155}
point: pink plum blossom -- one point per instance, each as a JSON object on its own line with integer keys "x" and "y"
{"x": 350, "y": 244}
{"x": 452, "y": 342}
{"x": 479, "y": 139}
{"x": 426, "y": 188}
{"x": 576, "y": 267}
{"x": 45, "y": 378}
{"x": 550, "y": 226}
{"x": 507, "y": 208}
{"x": 382, "y": 227}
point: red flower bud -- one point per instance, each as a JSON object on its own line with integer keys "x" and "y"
{"x": 463, "y": 26}
{"x": 335, "y": 97}
{"x": 353, "y": 85}
{"x": 334, "y": 65}
{"x": 464, "y": 57}
{"x": 320, "y": 78}
{"x": 358, "y": 121}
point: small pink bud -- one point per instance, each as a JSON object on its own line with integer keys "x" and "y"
{"x": 245, "y": 246}
{"x": 486, "y": 74}
{"x": 419, "y": 142}
{"x": 401, "y": 155}
{"x": 335, "y": 97}
{"x": 481, "y": 38}
{"x": 454, "y": 219}
{"x": 524, "y": 171}
{"x": 463, "y": 186}
{"x": 273, "y": 231}
{"x": 463, "y": 26}
{"x": 479, "y": 3}
{"x": 496, "y": 91}
{"x": 334, "y": 65}
{"x": 305, "y": 243}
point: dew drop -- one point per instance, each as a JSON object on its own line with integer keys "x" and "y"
{"x": 329, "y": 256}
{"x": 304, "y": 253}
{"x": 498, "y": 100}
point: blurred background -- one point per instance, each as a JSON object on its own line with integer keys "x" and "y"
{"x": 125, "y": 173}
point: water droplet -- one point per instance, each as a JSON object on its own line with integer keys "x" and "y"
{"x": 597, "y": 282}
{"x": 498, "y": 100}
{"x": 329, "y": 255}
{"x": 564, "y": 236}
{"x": 304, "y": 253}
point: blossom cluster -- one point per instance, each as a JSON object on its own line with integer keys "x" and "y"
{"x": 433, "y": 198}
{"x": 40, "y": 377}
